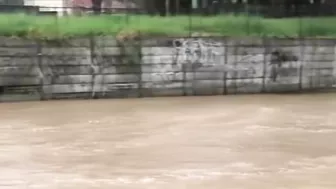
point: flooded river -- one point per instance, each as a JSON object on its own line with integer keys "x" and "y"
{"x": 227, "y": 142}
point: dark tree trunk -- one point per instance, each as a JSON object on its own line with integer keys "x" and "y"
{"x": 97, "y": 6}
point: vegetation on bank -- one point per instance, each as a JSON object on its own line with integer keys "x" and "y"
{"x": 224, "y": 25}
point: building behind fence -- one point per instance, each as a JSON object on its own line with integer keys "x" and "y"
{"x": 267, "y": 8}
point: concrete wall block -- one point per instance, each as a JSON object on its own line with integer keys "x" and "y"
{"x": 326, "y": 72}
{"x": 117, "y": 78}
{"x": 286, "y": 80}
{"x": 245, "y": 72}
{"x": 318, "y": 72}
{"x": 214, "y": 68}
{"x": 109, "y": 87}
{"x": 21, "y": 90}
{"x": 19, "y": 97}
{"x": 20, "y": 71}
{"x": 108, "y": 60}
{"x": 72, "y": 79}
{"x": 205, "y": 91}
{"x": 182, "y": 51}
{"x": 241, "y": 50}
{"x": 120, "y": 69}
{"x": 167, "y": 85}
{"x": 245, "y": 86}
{"x": 67, "y": 88}
{"x": 167, "y": 92}
{"x": 306, "y": 72}
{"x": 244, "y": 82}
{"x": 276, "y": 87}
{"x": 111, "y": 69}
{"x": 161, "y": 68}
{"x": 206, "y": 84}
{"x": 76, "y": 42}
{"x": 66, "y": 60}
{"x": 204, "y": 76}
{"x": 158, "y": 51}
{"x": 306, "y": 82}
{"x": 105, "y": 41}
{"x": 18, "y": 61}
{"x": 253, "y": 59}
{"x": 117, "y": 94}
{"x": 16, "y": 42}
{"x": 318, "y": 49}
{"x": 283, "y": 42}
{"x": 63, "y": 96}
{"x": 162, "y": 77}
{"x": 288, "y": 72}
{"x": 66, "y": 51}
{"x": 159, "y": 59}
{"x": 319, "y": 57}
{"x": 71, "y": 70}
{"x": 318, "y": 64}
{"x": 244, "y": 41}
{"x": 14, "y": 80}
{"x": 105, "y": 61}
{"x": 112, "y": 51}
{"x": 18, "y": 51}
{"x": 155, "y": 68}
{"x": 294, "y": 50}
{"x": 318, "y": 42}
{"x": 150, "y": 42}
{"x": 321, "y": 81}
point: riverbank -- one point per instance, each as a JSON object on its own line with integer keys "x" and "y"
{"x": 222, "y": 25}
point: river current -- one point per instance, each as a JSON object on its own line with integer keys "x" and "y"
{"x": 231, "y": 142}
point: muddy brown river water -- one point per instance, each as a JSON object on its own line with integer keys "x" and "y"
{"x": 231, "y": 142}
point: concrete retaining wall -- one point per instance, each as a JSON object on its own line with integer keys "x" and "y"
{"x": 101, "y": 67}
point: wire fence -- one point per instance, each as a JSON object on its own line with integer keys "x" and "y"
{"x": 294, "y": 8}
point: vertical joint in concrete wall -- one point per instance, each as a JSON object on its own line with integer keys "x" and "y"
{"x": 264, "y": 75}
{"x": 334, "y": 67}
{"x": 94, "y": 67}
{"x": 140, "y": 69}
{"x": 40, "y": 68}
{"x": 131, "y": 53}
{"x": 225, "y": 62}
{"x": 301, "y": 63}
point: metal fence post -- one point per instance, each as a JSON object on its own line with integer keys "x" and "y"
{"x": 301, "y": 63}
{"x": 140, "y": 87}
{"x": 225, "y": 66}
{"x": 190, "y": 22}
{"x": 265, "y": 45}
{"x": 92, "y": 62}
{"x": 40, "y": 66}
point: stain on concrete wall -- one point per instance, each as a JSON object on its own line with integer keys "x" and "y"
{"x": 228, "y": 65}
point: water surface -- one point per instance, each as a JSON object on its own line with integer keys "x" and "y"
{"x": 232, "y": 142}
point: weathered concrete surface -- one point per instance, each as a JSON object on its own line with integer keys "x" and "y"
{"x": 103, "y": 68}
{"x": 224, "y": 66}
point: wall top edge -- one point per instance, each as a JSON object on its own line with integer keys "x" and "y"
{"x": 110, "y": 41}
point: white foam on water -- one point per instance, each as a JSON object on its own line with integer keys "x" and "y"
{"x": 295, "y": 128}
{"x": 94, "y": 121}
{"x": 241, "y": 165}
{"x": 44, "y": 129}
{"x": 146, "y": 180}
{"x": 313, "y": 164}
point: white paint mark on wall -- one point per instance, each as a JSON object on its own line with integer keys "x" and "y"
{"x": 196, "y": 51}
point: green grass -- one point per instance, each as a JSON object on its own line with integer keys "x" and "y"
{"x": 224, "y": 25}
